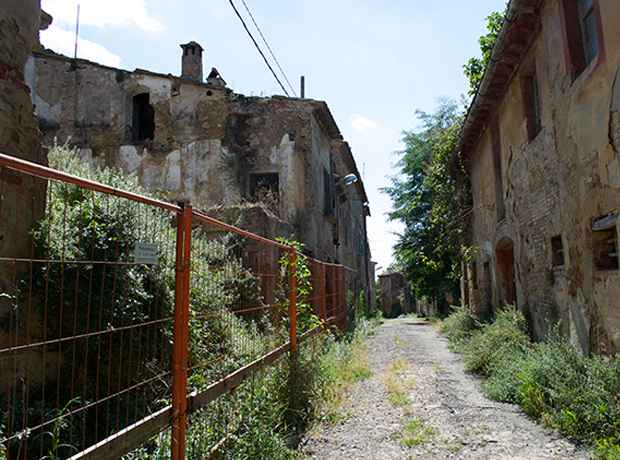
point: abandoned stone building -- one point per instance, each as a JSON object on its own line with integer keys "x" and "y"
{"x": 395, "y": 295}
{"x": 540, "y": 149}
{"x": 273, "y": 165}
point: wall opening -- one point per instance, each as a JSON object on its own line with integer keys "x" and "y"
{"x": 557, "y": 251}
{"x": 264, "y": 186}
{"x": 143, "y": 118}
{"x": 531, "y": 100}
{"x": 604, "y": 243}
{"x": 506, "y": 263}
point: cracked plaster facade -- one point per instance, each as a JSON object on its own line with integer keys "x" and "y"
{"x": 196, "y": 126}
{"x": 540, "y": 203}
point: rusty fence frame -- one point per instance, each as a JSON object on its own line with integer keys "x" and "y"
{"x": 184, "y": 403}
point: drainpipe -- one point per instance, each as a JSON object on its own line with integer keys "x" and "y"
{"x": 489, "y": 72}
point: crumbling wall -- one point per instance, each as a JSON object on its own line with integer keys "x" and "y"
{"x": 19, "y": 137}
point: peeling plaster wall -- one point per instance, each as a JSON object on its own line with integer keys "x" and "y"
{"x": 557, "y": 185}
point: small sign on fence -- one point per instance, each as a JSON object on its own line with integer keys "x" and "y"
{"x": 146, "y": 253}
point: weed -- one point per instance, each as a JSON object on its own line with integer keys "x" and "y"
{"x": 414, "y": 433}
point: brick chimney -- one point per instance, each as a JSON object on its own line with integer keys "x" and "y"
{"x": 191, "y": 62}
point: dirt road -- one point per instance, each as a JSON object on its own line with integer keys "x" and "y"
{"x": 419, "y": 404}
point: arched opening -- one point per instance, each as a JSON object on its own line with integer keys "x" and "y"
{"x": 506, "y": 263}
{"x": 143, "y": 118}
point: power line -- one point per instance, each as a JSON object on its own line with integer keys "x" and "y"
{"x": 269, "y": 48}
{"x": 328, "y": 146}
{"x": 258, "y": 47}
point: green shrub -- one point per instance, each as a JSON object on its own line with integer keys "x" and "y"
{"x": 460, "y": 324}
{"x": 504, "y": 339}
{"x": 571, "y": 392}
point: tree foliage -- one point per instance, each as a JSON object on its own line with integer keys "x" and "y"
{"x": 424, "y": 198}
{"x": 474, "y": 69}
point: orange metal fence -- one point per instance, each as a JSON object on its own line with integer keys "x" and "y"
{"x": 122, "y": 316}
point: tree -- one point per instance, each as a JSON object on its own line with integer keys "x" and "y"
{"x": 424, "y": 198}
{"x": 474, "y": 69}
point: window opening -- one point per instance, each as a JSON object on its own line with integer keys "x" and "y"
{"x": 328, "y": 193}
{"x": 264, "y": 187}
{"x": 557, "y": 251}
{"x": 143, "y": 118}
{"x": 588, "y": 30}
{"x": 500, "y": 209}
{"x": 531, "y": 101}
{"x": 604, "y": 243}
{"x": 581, "y": 34}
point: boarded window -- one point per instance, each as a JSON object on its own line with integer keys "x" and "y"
{"x": 604, "y": 243}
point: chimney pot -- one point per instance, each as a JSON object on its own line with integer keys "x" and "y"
{"x": 191, "y": 61}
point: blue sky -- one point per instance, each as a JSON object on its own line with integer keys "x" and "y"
{"x": 373, "y": 62}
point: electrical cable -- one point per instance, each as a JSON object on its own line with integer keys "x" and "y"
{"x": 269, "y": 48}
{"x": 320, "y": 138}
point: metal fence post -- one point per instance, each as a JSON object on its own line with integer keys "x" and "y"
{"x": 187, "y": 262}
{"x": 344, "y": 297}
{"x": 322, "y": 275}
{"x": 181, "y": 320}
{"x": 292, "y": 312}
{"x": 177, "y": 334}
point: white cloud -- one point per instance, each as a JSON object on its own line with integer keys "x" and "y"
{"x": 63, "y": 42}
{"x": 100, "y": 13}
{"x": 361, "y": 124}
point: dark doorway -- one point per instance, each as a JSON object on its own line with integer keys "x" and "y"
{"x": 143, "y": 118}
{"x": 506, "y": 261}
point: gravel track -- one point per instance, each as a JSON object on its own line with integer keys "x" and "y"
{"x": 454, "y": 418}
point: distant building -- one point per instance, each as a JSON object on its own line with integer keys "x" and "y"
{"x": 395, "y": 295}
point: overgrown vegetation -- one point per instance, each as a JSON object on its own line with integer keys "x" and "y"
{"x": 259, "y": 419}
{"x": 553, "y": 381}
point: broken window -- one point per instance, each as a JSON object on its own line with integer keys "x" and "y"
{"x": 557, "y": 251}
{"x": 143, "y": 118}
{"x": 581, "y": 33}
{"x": 604, "y": 243}
{"x": 264, "y": 187}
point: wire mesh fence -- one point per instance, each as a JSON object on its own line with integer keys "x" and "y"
{"x": 122, "y": 316}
